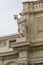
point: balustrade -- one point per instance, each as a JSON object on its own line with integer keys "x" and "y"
{"x": 38, "y": 5}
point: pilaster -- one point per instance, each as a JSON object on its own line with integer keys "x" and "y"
{"x": 23, "y": 57}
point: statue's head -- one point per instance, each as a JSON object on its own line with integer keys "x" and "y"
{"x": 15, "y": 16}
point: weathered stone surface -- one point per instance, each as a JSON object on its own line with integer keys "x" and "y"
{"x": 26, "y": 47}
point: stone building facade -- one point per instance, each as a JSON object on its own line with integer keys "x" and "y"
{"x": 26, "y": 47}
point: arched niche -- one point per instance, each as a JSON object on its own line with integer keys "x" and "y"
{"x": 11, "y": 63}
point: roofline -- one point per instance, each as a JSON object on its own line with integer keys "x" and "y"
{"x": 10, "y": 36}
{"x": 30, "y": 1}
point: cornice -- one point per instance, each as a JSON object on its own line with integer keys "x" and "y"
{"x": 10, "y": 36}
{"x": 37, "y": 60}
{"x": 31, "y": 11}
{"x": 8, "y": 53}
{"x": 19, "y": 44}
{"x": 30, "y": 1}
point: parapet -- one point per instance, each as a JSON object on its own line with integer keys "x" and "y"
{"x": 32, "y": 6}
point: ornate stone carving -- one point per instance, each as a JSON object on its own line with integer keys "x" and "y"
{"x": 22, "y": 26}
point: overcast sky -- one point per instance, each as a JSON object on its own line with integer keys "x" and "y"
{"x": 7, "y": 9}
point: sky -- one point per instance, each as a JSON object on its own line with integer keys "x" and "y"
{"x": 7, "y": 9}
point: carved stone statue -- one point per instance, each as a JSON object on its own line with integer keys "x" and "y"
{"x": 22, "y": 27}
